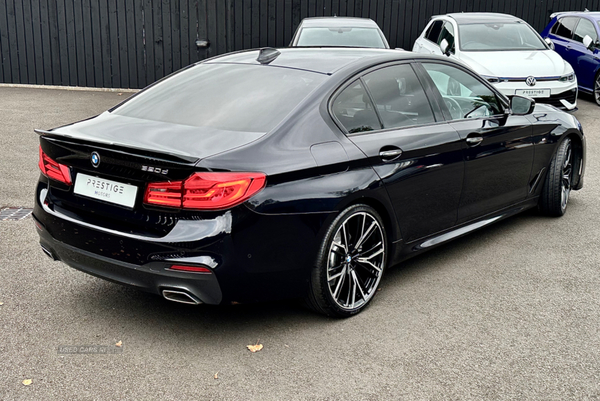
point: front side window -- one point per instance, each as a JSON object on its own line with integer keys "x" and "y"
{"x": 354, "y": 110}
{"x": 399, "y": 97}
{"x": 433, "y": 33}
{"x": 345, "y": 37}
{"x": 229, "y": 97}
{"x": 463, "y": 94}
{"x": 584, "y": 28}
{"x": 448, "y": 34}
{"x": 495, "y": 37}
{"x": 565, "y": 27}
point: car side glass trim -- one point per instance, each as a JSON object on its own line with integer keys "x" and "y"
{"x": 385, "y": 130}
{"x": 438, "y": 113}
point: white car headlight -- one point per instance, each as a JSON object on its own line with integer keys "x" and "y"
{"x": 567, "y": 78}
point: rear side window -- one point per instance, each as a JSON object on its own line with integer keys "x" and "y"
{"x": 433, "y": 33}
{"x": 564, "y": 27}
{"x": 399, "y": 97}
{"x": 585, "y": 27}
{"x": 232, "y": 97}
{"x": 353, "y": 108}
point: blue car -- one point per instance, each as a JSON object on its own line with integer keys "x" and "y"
{"x": 575, "y": 37}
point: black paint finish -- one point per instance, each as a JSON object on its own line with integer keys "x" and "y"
{"x": 497, "y": 170}
{"x": 439, "y": 188}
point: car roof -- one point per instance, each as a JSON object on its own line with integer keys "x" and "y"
{"x": 324, "y": 60}
{"x": 338, "y": 22}
{"x": 592, "y": 14}
{"x": 483, "y": 18}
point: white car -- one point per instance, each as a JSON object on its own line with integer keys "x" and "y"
{"x": 506, "y": 51}
{"x": 339, "y": 32}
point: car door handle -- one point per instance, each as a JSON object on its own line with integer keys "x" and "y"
{"x": 474, "y": 140}
{"x": 390, "y": 154}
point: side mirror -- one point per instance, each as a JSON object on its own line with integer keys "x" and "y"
{"x": 444, "y": 47}
{"x": 588, "y": 42}
{"x": 521, "y": 105}
{"x": 549, "y": 42}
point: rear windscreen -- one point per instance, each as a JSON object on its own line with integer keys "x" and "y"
{"x": 233, "y": 97}
{"x": 352, "y": 37}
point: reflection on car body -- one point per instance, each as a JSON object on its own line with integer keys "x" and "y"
{"x": 305, "y": 175}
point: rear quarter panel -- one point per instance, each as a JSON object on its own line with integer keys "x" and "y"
{"x": 550, "y": 128}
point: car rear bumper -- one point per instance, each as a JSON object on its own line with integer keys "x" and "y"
{"x": 154, "y": 277}
{"x": 251, "y": 256}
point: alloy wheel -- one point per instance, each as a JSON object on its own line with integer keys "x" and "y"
{"x": 355, "y": 261}
{"x": 597, "y": 89}
{"x": 567, "y": 170}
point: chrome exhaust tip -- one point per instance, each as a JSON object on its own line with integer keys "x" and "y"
{"x": 48, "y": 252}
{"x": 180, "y": 296}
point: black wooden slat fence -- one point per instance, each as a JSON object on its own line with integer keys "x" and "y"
{"x": 132, "y": 43}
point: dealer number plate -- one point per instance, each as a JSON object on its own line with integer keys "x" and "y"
{"x": 533, "y": 92}
{"x": 106, "y": 190}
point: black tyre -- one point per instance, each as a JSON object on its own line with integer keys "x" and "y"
{"x": 557, "y": 187}
{"x": 597, "y": 89}
{"x": 350, "y": 263}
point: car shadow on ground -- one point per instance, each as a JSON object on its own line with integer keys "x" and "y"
{"x": 586, "y": 96}
{"x": 139, "y": 312}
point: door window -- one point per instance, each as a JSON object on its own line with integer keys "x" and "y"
{"x": 564, "y": 27}
{"x": 354, "y": 110}
{"x": 585, "y": 27}
{"x": 463, "y": 94}
{"x": 399, "y": 97}
{"x": 433, "y": 33}
{"x": 448, "y": 34}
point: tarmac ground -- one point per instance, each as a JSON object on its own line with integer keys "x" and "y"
{"x": 509, "y": 312}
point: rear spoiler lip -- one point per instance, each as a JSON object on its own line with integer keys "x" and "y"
{"x": 187, "y": 159}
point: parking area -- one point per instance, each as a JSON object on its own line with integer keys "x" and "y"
{"x": 509, "y": 312}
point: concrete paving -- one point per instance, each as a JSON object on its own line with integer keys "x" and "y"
{"x": 509, "y": 312}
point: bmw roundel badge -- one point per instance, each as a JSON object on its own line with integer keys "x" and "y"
{"x": 95, "y": 159}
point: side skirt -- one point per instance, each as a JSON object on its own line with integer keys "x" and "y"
{"x": 408, "y": 250}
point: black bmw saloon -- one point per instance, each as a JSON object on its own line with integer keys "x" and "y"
{"x": 296, "y": 173}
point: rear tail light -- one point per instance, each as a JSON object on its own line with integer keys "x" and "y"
{"x": 164, "y": 193}
{"x": 54, "y": 170}
{"x": 192, "y": 269}
{"x": 206, "y": 191}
